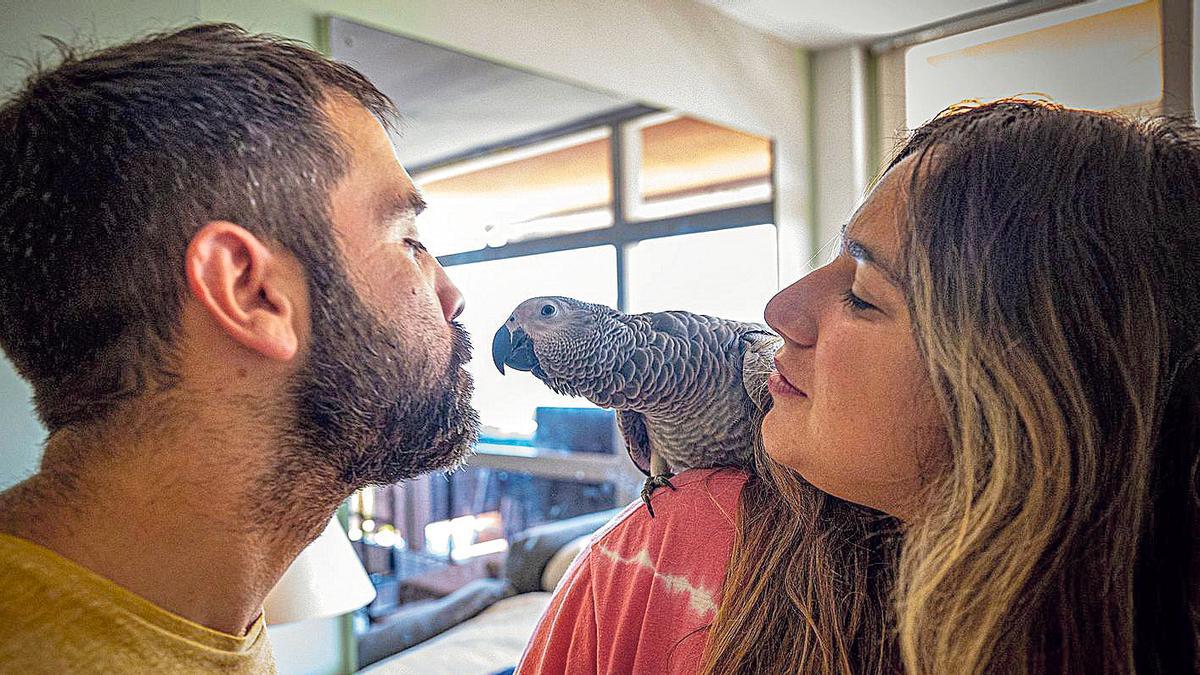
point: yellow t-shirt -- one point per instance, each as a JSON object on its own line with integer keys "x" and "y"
{"x": 57, "y": 617}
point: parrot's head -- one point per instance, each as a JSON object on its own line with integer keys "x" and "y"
{"x": 554, "y": 337}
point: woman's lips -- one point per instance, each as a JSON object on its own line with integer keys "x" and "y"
{"x": 778, "y": 385}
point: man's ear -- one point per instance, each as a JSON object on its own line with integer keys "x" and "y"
{"x": 238, "y": 281}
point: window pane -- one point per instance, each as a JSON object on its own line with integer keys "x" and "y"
{"x": 689, "y": 165}
{"x": 513, "y": 502}
{"x": 727, "y": 273}
{"x": 551, "y": 188}
{"x": 427, "y": 537}
{"x": 1102, "y": 56}
{"x": 492, "y": 289}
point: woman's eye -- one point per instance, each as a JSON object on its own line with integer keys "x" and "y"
{"x": 854, "y": 302}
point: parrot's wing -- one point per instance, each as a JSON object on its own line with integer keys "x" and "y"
{"x": 633, "y": 430}
{"x": 669, "y": 322}
{"x": 758, "y": 362}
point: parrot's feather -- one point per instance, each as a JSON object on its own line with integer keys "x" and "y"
{"x": 633, "y": 429}
{"x": 758, "y": 362}
{"x": 668, "y": 323}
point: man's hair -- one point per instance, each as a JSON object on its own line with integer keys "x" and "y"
{"x": 111, "y": 161}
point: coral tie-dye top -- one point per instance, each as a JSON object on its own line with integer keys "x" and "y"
{"x": 642, "y": 594}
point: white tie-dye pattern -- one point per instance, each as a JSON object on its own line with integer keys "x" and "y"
{"x": 700, "y": 600}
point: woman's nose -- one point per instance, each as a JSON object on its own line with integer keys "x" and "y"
{"x": 793, "y": 312}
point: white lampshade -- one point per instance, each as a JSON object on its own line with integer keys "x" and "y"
{"x": 325, "y": 580}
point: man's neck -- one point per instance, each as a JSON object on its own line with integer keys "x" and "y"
{"x": 183, "y": 524}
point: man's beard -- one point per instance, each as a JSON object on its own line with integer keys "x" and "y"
{"x": 371, "y": 407}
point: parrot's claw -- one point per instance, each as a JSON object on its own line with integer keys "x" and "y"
{"x": 653, "y": 483}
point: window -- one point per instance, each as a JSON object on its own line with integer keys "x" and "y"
{"x": 550, "y": 188}
{"x": 706, "y": 273}
{"x": 697, "y": 207}
{"x": 688, "y": 165}
{"x": 506, "y": 403}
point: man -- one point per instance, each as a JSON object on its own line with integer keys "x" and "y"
{"x": 210, "y": 275}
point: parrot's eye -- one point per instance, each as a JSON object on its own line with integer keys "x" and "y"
{"x": 548, "y": 310}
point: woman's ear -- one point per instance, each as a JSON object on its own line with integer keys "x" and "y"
{"x": 238, "y": 281}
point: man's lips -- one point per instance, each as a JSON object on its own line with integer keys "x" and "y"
{"x": 779, "y": 385}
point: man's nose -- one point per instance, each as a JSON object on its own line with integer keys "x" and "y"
{"x": 449, "y": 296}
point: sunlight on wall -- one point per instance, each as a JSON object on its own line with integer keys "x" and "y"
{"x": 1102, "y": 55}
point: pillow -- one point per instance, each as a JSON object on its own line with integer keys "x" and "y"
{"x": 529, "y": 551}
{"x": 561, "y": 561}
{"x": 420, "y": 621}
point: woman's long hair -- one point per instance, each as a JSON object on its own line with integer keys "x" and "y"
{"x": 1053, "y": 279}
{"x": 808, "y": 585}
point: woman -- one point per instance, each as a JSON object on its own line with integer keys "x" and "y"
{"x": 982, "y": 455}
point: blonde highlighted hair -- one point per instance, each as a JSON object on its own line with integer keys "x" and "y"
{"x": 1053, "y": 278}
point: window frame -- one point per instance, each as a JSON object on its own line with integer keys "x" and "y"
{"x": 626, "y": 230}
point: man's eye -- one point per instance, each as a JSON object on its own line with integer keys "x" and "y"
{"x": 415, "y": 245}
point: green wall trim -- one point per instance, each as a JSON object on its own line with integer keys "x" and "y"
{"x": 873, "y": 116}
{"x": 810, "y": 134}
{"x": 346, "y": 621}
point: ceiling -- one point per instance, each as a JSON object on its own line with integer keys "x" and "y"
{"x": 451, "y": 102}
{"x": 817, "y": 24}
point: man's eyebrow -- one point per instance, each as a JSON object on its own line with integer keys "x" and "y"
{"x": 416, "y": 202}
{"x": 402, "y": 204}
{"x": 860, "y": 252}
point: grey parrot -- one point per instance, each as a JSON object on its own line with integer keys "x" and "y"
{"x": 689, "y": 390}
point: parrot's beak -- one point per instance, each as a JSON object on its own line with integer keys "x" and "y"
{"x": 501, "y": 348}
{"x": 513, "y": 348}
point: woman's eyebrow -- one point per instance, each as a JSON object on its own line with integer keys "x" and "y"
{"x": 860, "y": 252}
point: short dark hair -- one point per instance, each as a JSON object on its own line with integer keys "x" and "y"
{"x": 110, "y": 162}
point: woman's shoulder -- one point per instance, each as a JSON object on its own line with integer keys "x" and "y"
{"x": 707, "y": 497}
{"x": 692, "y": 528}
{"x": 643, "y": 592}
